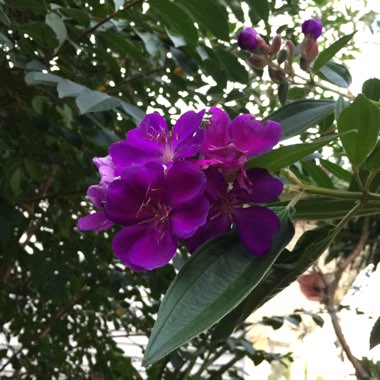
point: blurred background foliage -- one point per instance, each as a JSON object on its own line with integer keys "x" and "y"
{"x": 74, "y": 77}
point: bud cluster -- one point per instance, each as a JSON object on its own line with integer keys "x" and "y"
{"x": 277, "y": 57}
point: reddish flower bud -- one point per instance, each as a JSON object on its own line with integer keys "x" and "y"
{"x": 312, "y": 285}
{"x": 277, "y": 75}
{"x": 262, "y": 47}
{"x": 258, "y": 61}
{"x": 309, "y": 50}
{"x": 292, "y": 49}
{"x": 283, "y": 55}
{"x": 276, "y": 44}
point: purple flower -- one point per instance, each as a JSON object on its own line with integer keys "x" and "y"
{"x": 153, "y": 142}
{"x": 97, "y": 194}
{"x": 256, "y": 225}
{"x": 229, "y": 144}
{"x": 247, "y": 39}
{"x": 312, "y": 27}
{"x": 157, "y": 208}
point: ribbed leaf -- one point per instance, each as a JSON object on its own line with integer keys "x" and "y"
{"x": 337, "y": 170}
{"x": 284, "y": 271}
{"x": 335, "y": 73}
{"x": 211, "y": 283}
{"x": 296, "y": 117}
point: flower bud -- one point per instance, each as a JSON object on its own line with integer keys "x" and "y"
{"x": 277, "y": 75}
{"x": 292, "y": 49}
{"x": 282, "y": 55}
{"x": 312, "y": 28}
{"x": 247, "y": 39}
{"x": 258, "y": 61}
{"x": 276, "y": 44}
{"x": 312, "y": 285}
{"x": 309, "y": 50}
{"x": 262, "y": 47}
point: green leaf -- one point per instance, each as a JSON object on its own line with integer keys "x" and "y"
{"x": 284, "y": 271}
{"x": 95, "y": 101}
{"x": 67, "y": 88}
{"x": 317, "y": 174}
{"x": 201, "y": 10}
{"x": 373, "y": 160}
{"x": 286, "y": 155}
{"x": 210, "y": 284}
{"x": 35, "y": 78}
{"x": 330, "y": 52}
{"x": 337, "y": 170}
{"x": 175, "y": 19}
{"x": 335, "y": 73}
{"x": 363, "y": 116}
{"x": 81, "y": 17}
{"x": 283, "y": 90}
{"x": 55, "y": 22}
{"x": 296, "y": 117}
{"x": 4, "y": 18}
{"x": 374, "y": 339}
{"x": 234, "y": 69}
{"x": 41, "y": 33}
{"x": 323, "y": 208}
{"x": 340, "y": 105}
{"x": 261, "y": 7}
{"x": 371, "y": 89}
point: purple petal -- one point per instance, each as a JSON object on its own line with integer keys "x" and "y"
{"x": 187, "y": 125}
{"x": 214, "y": 227}
{"x": 140, "y": 151}
{"x": 144, "y": 247}
{"x": 187, "y": 219}
{"x": 151, "y": 125}
{"x": 262, "y": 186}
{"x": 251, "y": 136}
{"x": 191, "y": 146}
{"x": 126, "y": 197}
{"x": 97, "y": 194}
{"x": 256, "y": 227}
{"x": 106, "y": 168}
{"x": 217, "y": 129}
{"x": 216, "y": 185}
{"x": 96, "y": 222}
{"x": 184, "y": 183}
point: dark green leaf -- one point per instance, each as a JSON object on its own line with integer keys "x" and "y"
{"x": 183, "y": 60}
{"x": 55, "y": 22}
{"x": 235, "y": 70}
{"x": 274, "y": 322}
{"x": 340, "y": 105}
{"x": 363, "y": 116}
{"x": 330, "y": 52}
{"x": 371, "y": 89}
{"x": 373, "y": 160}
{"x": 41, "y": 33}
{"x": 337, "y": 170}
{"x": 34, "y": 78}
{"x": 374, "y": 339}
{"x": 318, "y": 320}
{"x": 4, "y": 18}
{"x": 175, "y": 19}
{"x": 296, "y": 117}
{"x": 261, "y": 7}
{"x": 283, "y": 90}
{"x": 286, "y": 155}
{"x": 80, "y": 16}
{"x": 222, "y": 265}
{"x": 285, "y": 270}
{"x": 335, "y": 73}
{"x": 210, "y": 15}
{"x": 317, "y": 174}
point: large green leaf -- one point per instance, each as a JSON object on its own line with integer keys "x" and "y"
{"x": 296, "y": 117}
{"x": 364, "y": 116}
{"x": 284, "y": 271}
{"x": 286, "y": 155}
{"x": 336, "y": 74}
{"x": 322, "y": 208}
{"x": 235, "y": 70}
{"x": 201, "y": 11}
{"x": 211, "y": 283}
{"x": 56, "y": 23}
{"x": 175, "y": 18}
{"x": 41, "y": 33}
{"x": 330, "y": 52}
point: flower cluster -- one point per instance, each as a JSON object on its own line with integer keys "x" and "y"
{"x": 262, "y": 54}
{"x": 185, "y": 186}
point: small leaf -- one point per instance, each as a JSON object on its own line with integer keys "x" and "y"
{"x": 286, "y": 155}
{"x": 335, "y": 73}
{"x": 371, "y": 89}
{"x": 41, "y": 33}
{"x": 283, "y": 90}
{"x": 374, "y": 339}
{"x": 56, "y": 23}
{"x": 211, "y": 283}
{"x": 95, "y": 101}
{"x": 317, "y": 174}
{"x": 318, "y": 320}
{"x": 340, "y": 105}
{"x": 79, "y": 16}
{"x": 363, "y": 116}
{"x": 330, "y": 52}
{"x": 296, "y": 117}
{"x": 35, "y": 77}
{"x": 67, "y": 88}
{"x": 4, "y": 18}
{"x": 337, "y": 170}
